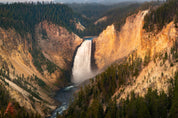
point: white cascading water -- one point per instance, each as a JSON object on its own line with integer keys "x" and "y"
{"x": 81, "y": 70}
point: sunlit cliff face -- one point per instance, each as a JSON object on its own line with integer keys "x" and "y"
{"x": 112, "y": 45}
{"x": 157, "y": 42}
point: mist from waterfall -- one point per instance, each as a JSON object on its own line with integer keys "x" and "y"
{"x": 81, "y": 70}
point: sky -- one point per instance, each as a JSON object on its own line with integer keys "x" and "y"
{"x": 24, "y": 0}
{"x": 99, "y": 1}
{"x": 70, "y": 1}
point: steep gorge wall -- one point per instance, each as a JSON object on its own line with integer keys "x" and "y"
{"x": 57, "y": 44}
{"x": 14, "y": 52}
{"x": 58, "y": 48}
{"x": 161, "y": 70}
{"x": 16, "y": 61}
{"x": 112, "y": 45}
{"x": 155, "y": 43}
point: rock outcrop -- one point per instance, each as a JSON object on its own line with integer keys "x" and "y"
{"x": 112, "y": 45}
{"x": 157, "y": 76}
{"x": 57, "y": 44}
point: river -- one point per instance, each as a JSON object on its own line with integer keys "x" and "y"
{"x": 64, "y": 96}
{"x": 81, "y": 72}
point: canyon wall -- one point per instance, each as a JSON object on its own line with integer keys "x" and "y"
{"x": 112, "y": 45}
{"x": 57, "y": 44}
{"x": 26, "y": 84}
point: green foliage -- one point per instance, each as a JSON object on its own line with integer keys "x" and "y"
{"x": 111, "y": 111}
{"x": 174, "y": 51}
{"x": 44, "y": 34}
{"x": 161, "y": 16}
{"x": 4, "y": 96}
{"x": 20, "y": 82}
{"x": 119, "y": 15}
{"x": 165, "y": 56}
{"x": 40, "y": 82}
{"x": 152, "y": 105}
{"x": 101, "y": 90}
{"x": 147, "y": 58}
{"x": 94, "y": 97}
{"x": 19, "y": 112}
{"x": 174, "y": 107}
{"x": 4, "y": 71}
{"x": 116, "y": 14}
{"x": 24, "y": 16}
{"x": 91, "y": 10}
{"x": 95, "y": 110}
{"x": 51, "y": 67}
{"x": 39, "y": 60}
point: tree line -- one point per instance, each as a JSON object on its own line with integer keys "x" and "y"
{"x": 24, "y": 16}
{"x": 158, "y": 18}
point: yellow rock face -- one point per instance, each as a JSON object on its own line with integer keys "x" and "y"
{"x": 112, "y": 45}
{"x": 105, "y": 46}
{"x": 156, "y": 43}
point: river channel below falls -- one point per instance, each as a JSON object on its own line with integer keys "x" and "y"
{"x": 64, "y": 96}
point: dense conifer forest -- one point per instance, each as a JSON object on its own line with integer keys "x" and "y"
{"x": 24, "y": 16}
{"x": 158, "y": 18}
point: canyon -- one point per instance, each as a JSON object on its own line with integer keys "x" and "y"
{"x": 16, "y": 60}
{"x": 36, "y": 65}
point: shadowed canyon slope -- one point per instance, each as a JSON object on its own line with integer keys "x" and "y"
{"x": 56, "y": 44}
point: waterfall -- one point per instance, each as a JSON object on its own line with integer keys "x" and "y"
{"x": 81, "y": 70}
